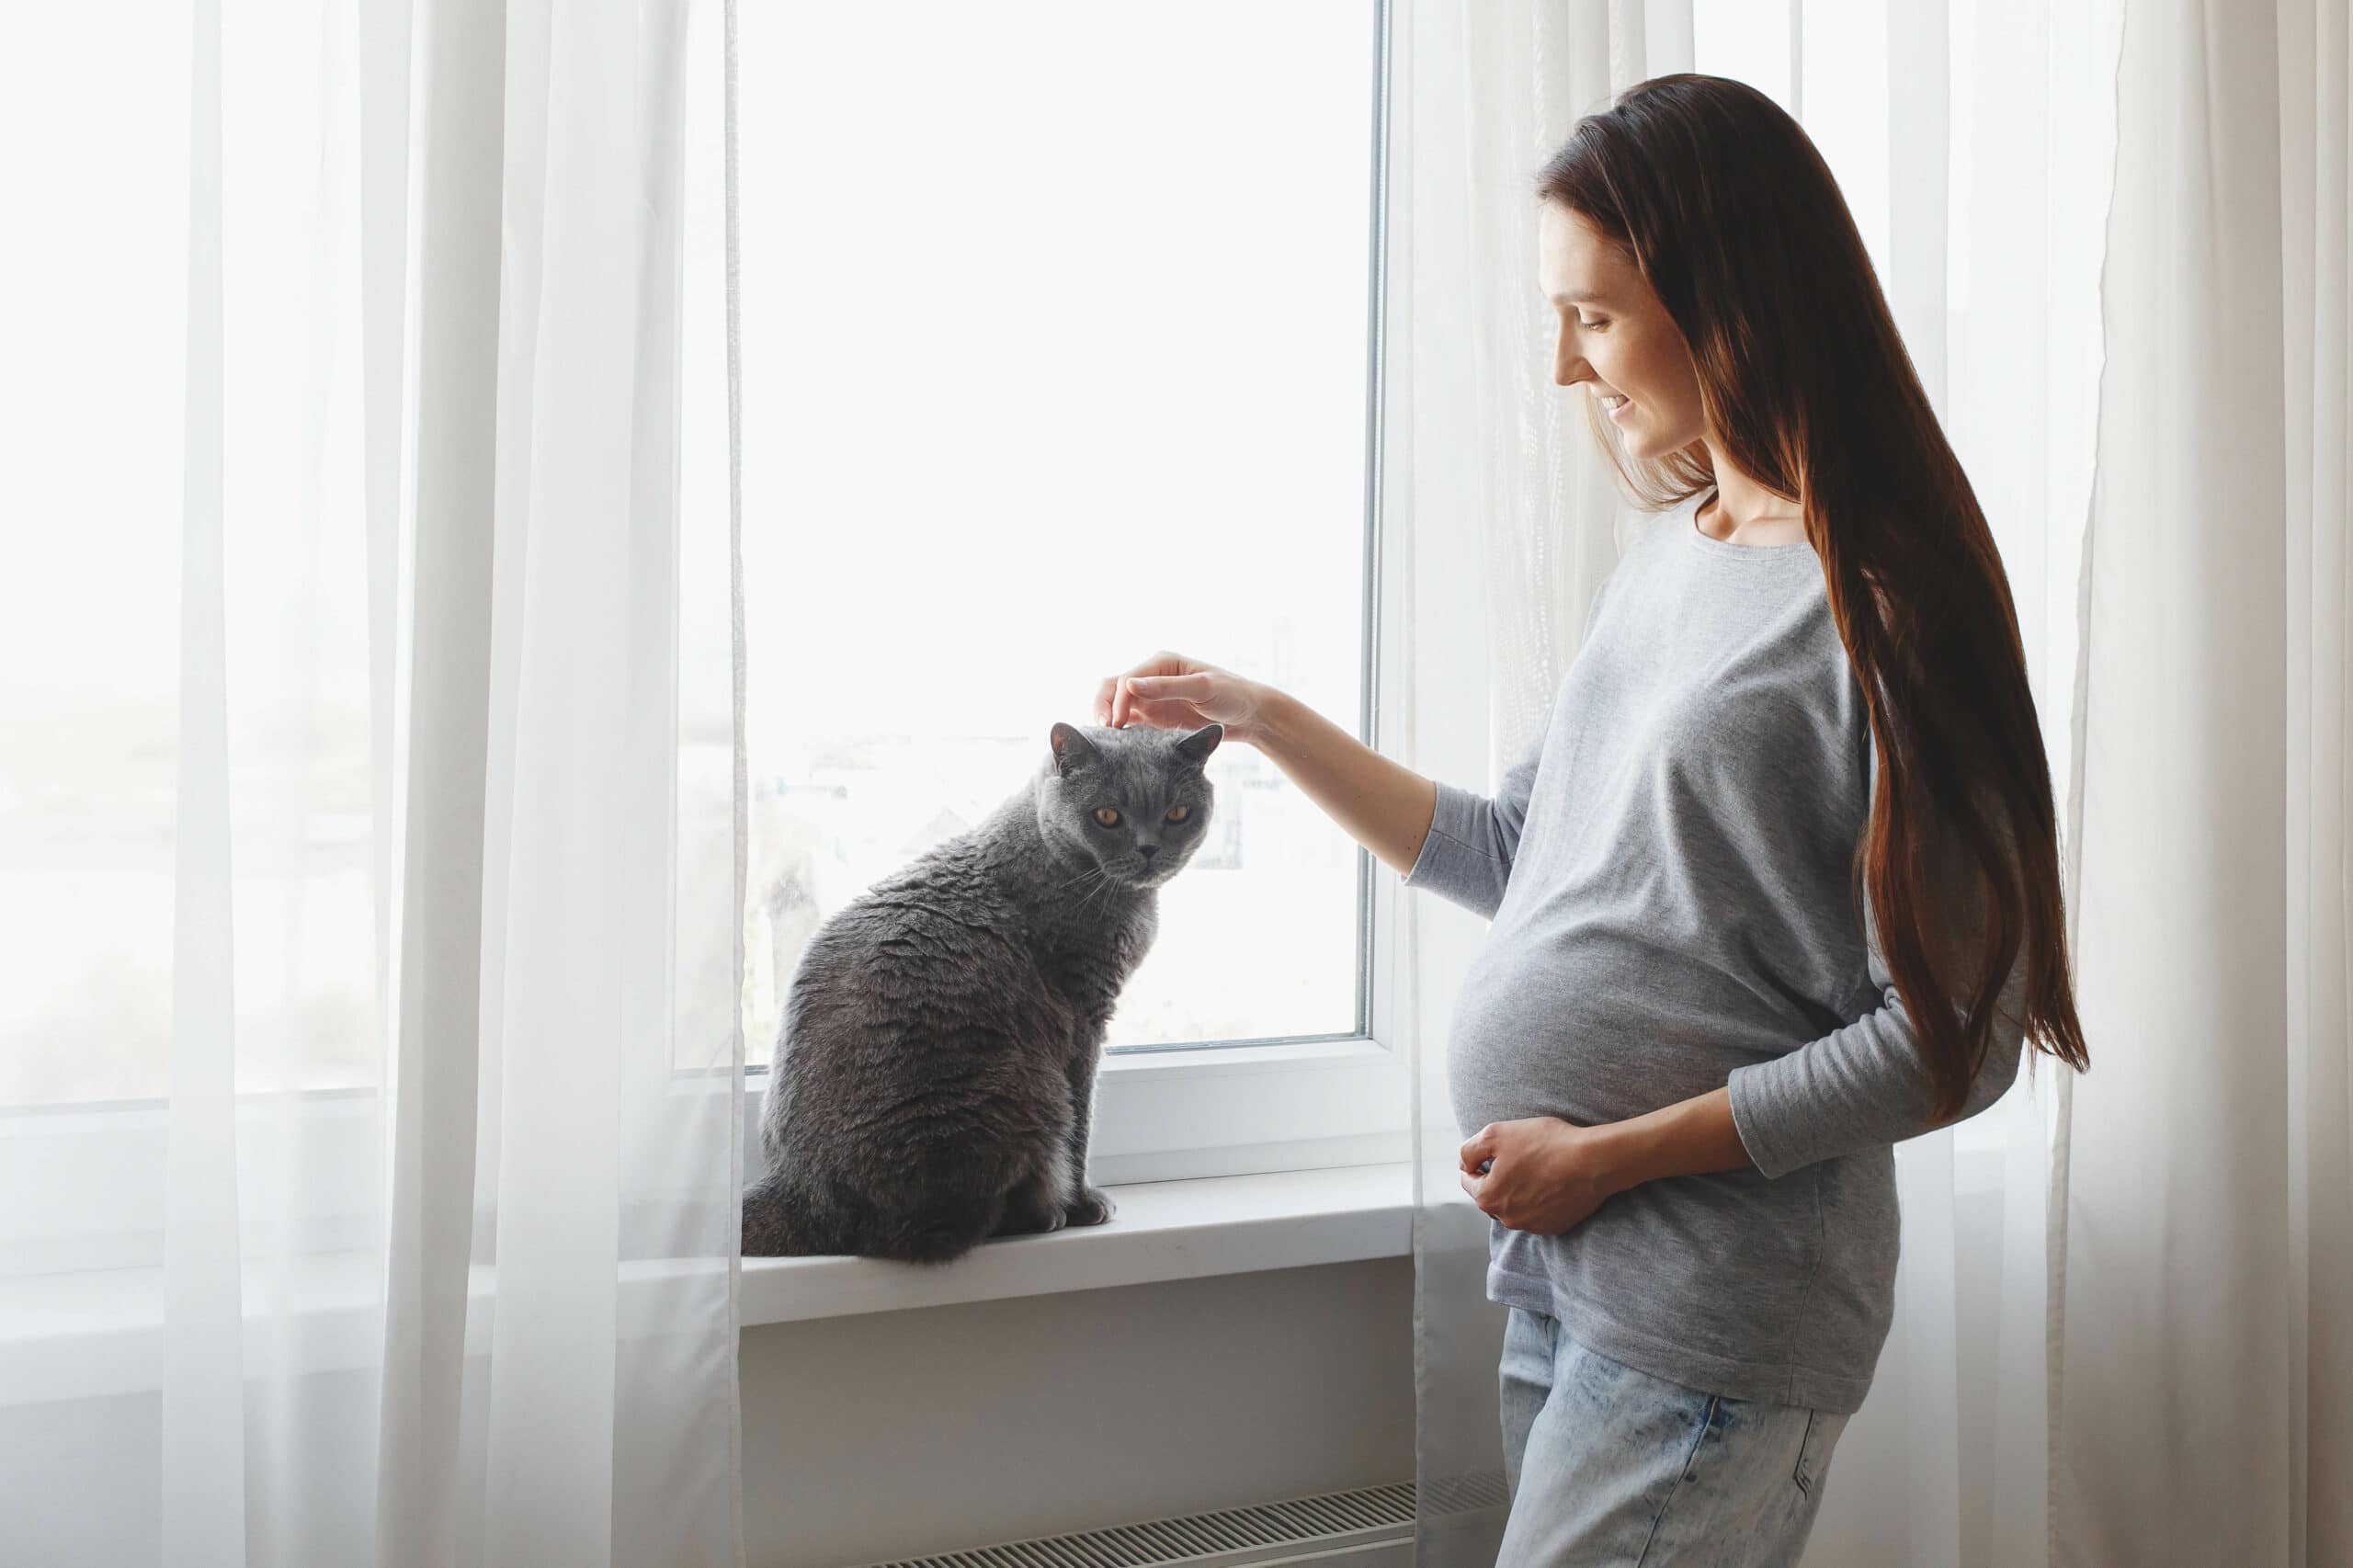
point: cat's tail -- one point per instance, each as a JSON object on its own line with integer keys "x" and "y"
{"x": 778, "y": 1222}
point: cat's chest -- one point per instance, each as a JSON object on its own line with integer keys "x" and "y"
{"x": 1089, "y": 962}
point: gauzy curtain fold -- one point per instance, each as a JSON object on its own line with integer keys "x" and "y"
{"x": 2202, "y": 1371}
{"x": 2316, "y": 328}
{"x": 1500, "y": 472}
{"x": 617, "y": 769}
{"x": 384, "y": 885}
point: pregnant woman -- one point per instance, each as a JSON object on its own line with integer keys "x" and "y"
{"x": 1776, "y": 886}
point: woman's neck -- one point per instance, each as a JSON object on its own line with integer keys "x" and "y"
{"x": 1742, "y": 511}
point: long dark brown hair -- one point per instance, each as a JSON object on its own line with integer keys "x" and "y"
{"x": 1719, "y": 197}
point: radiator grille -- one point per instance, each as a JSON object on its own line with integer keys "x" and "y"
{"x": 1273, "y": 1532}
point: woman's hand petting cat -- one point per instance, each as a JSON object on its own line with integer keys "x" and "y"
{"x": 1539, "y": 1174}
{"x": 1169, "y": 691}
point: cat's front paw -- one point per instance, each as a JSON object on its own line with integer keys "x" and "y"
{"x": 1091, "y": 1206}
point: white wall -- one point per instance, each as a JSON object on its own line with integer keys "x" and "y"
{"x": 901, "y": 1434}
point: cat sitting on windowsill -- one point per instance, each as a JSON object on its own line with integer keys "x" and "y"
{"x": 934, "y": 1076}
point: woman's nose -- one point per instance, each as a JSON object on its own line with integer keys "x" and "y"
{"x": 1568, "y": 370}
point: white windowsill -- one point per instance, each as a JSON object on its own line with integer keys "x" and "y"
{"x": 1166, "y": 1230}
{"x": 98, "y": 1331}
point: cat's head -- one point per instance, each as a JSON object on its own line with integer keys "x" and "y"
{"x": 1133, "y": 801}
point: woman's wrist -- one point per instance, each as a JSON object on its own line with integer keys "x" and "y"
{"x": 1691, "y": 1137}
{"x": 1273, "y": 719}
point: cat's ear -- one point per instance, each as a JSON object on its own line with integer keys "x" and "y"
{"x": 1072, "y": 748}
{"x": 1196, "y": 747}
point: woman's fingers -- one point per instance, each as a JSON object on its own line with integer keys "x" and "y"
{"x": 1161, "y": 715}
{"x": 1194, "y": 688}
{"x": 1168, "y": 690}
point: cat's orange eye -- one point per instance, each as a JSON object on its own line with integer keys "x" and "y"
{"x": 1178, "y": 813}
{"x": 1107, "y": 816}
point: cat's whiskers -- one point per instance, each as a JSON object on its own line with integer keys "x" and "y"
{"x": 1102, "y": 883}
{"x": 1084, "y": 874}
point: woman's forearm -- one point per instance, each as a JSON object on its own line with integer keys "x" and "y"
{"x": 1689, "y": 1138}
{"x": 1381, "y": 804}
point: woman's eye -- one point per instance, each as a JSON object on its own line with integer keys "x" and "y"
{"x": 1591, "y": 325}
{"x": 1178, "y": 813}
{"x": 1107, "y": 816}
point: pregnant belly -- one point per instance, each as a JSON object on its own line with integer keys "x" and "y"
{"x": 1596, "y": 1027}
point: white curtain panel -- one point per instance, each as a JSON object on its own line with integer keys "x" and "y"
{"x": 2203, "y": 1368}
{"x": 1430, "y": 495}
{"x": 371, "y": 1098}
{"x": 2316, "y": 330}
{"x": 1978, "y": 143}
{"x": 1509, "y": 518}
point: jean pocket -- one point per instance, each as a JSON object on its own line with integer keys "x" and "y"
{"x": 1528, "y": 1337}
{"x": 1822, "y": 1430}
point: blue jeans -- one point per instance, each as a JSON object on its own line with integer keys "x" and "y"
{"x": 1609, "y": 1465}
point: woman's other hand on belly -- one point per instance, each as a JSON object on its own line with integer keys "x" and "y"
{"x": 1539, "y": 1174}
{"x": 1542, "y": 1174}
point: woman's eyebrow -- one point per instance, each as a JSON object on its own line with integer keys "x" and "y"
{"x": 1577, "y": 297}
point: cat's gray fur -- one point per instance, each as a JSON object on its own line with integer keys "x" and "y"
{"x": 934, "y": 1077}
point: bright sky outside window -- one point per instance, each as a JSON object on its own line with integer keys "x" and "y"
{"x": 1054, "y": 352}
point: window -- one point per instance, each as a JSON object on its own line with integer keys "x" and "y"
{"x": 92, "y": 397}
{"x": 1056, "y": 330}
{"x": 1056, "y": 333}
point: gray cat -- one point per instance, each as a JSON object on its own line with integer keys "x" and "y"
{"x": 934, "y": 1079}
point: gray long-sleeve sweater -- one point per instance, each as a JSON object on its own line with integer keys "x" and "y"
{"x": 1667, "y": 871}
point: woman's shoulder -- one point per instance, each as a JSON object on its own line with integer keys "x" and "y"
{"x": 1644, "y": 539}
{"x": 1656, "y": 527}
{"x": 1647, "y": 539}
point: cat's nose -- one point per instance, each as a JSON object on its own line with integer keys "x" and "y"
{"x": 1147, "y": 850}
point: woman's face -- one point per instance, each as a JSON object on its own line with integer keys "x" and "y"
{"x": 1616, "y": 339}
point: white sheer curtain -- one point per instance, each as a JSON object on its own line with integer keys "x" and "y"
{"x": 2205, "y": 1366}
{"x": 1508, "y": 517}
{"x": 2089, "y": 1345}
{"x": 370, "y": 1100}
